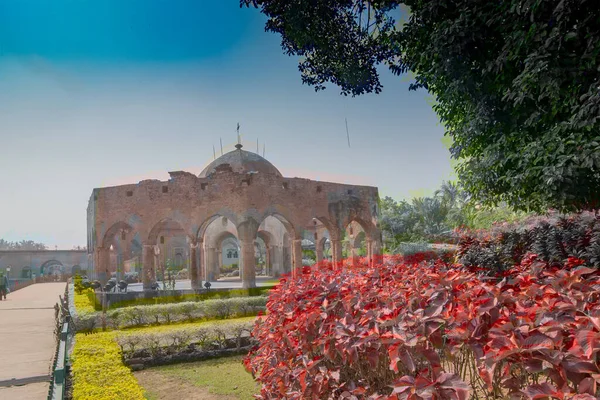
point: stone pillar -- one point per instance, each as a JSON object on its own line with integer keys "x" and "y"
{"x": 276, "y": 260}
{"x": 219, "y": 263}
{"x": 354, "y": 254}
{"x": 268, "y": 266}
{"x": 201, "y": 262}
{"x": 319, "y": 251}
{"x": 125, "y": 255}
{"x": 376, "y": 252}
{"x": 249, "y": 264}
{"x": 148, "y": 260}
{"x": 194, "y": 270}
{"x": 336, "y": 251}
{"x": 210, "y": 263}
{"x": 103, "y": 264}
{"x": 296, "y": 257}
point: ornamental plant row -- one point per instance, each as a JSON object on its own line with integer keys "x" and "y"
{"x": 160, "y": 314}
{"x": 98, "y": 372}
{"x": 156, "y": 344}
{"x": 431, "y": 330}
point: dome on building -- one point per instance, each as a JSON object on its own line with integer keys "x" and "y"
{"x": 242, "y": 162}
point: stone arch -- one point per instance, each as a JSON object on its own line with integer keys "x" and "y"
{"x": 211, "y": 234}
{"x": 161, "y": 225}
{"x": 161, "y": 258}
{"x": 114, "y": 230}
{"x": 285, "y": 216}
{"x": 221, "y": 236}
{"x": 266, "y": 236}
{"x": 287, "y": 254}
{"x": 122, "y": 241}
{"x": 365, "y": 225}
{"x": 200, "y": 231}
{"x": 323, "y": 230}
{"x": 370, "y": 239}
{"x": 52, "y": 267}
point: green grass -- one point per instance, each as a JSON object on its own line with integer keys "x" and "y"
{"x": 224, "y": 376}
{"x": 272, "y": 282}
{"x": 150, "y": 396}
{"x": 182, "y": 326}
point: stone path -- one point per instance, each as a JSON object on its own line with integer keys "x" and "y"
{"x": 27, "y": 342}
{"x": 223, "y": 283}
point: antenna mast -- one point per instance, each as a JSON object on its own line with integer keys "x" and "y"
{"x": 221, "y": 140}
{"x": 347, "y": 134}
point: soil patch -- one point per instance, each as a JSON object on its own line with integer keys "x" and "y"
{"x": 161, "y": 386}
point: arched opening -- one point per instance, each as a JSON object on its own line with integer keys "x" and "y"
{"x": 52, "y": 268}
{"x": 230, "y": 253}
{"x": 354, "y": 241}
{"x": 26, "y": 272}
{"x": 316, "y": 246}
{"x": 274, "y": 245}
{"x": 171, "y": 251}
{"x": 124, "y": 259}
{"x": 222, "y": 256}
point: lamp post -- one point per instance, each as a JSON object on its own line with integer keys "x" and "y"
{"x": 8, "y": 274}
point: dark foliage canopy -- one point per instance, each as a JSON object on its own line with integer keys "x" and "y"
{"x": 517, "y": 82}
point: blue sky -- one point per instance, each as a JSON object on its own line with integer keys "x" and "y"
{"x": 96, "y": 93}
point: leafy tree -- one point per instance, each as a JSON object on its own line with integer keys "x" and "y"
{"x": 22, "y": 245}
{"x": 431, "y": 219}
{"x": 516, "y": 82}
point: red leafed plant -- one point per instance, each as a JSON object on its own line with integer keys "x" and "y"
{"x": 431, "y": 330}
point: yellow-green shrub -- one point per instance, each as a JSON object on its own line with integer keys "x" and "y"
{"x": 98, "y": 371}
{"x": 83, "y": 301}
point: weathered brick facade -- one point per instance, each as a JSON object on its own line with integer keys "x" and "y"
{"x": 242, "y": 190}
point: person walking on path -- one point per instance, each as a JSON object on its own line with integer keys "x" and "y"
{"x": 3, "y": 285}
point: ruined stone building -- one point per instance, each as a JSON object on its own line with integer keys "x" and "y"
{"x": 239, "y": 201}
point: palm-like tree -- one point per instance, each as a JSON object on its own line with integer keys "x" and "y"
{"x": 449, "y": 192}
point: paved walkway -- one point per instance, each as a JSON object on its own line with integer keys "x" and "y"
{"x": 27, "y": 342}
{"x": 223, "y": 283}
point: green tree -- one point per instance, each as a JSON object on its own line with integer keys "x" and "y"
{"x": 22, "y": 245}
{"x": 516, "y": 82}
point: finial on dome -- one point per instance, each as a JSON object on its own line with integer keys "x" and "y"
{"x": 239, "y": 146}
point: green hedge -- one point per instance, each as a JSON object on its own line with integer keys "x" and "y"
{"x": 212, "y": 294}
{"x": 160, "y": 314}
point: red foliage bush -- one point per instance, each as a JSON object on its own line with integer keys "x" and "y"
{"x": 415, "y": 330}
{"x": 553, "y": 238}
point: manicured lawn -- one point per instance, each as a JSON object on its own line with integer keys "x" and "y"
{"x": 222, "y": 378}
